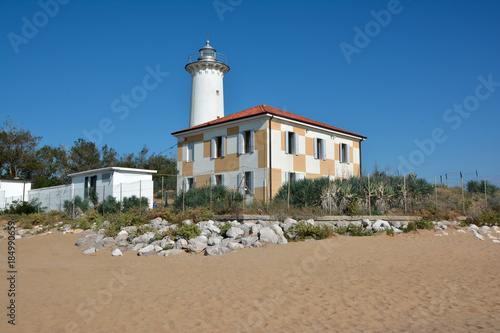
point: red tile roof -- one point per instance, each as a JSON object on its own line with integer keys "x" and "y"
{"x": 265, "y": 109}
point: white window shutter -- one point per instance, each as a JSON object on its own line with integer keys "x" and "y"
{"x": 212, "y": 148}
{"x": 241, "y": 143}
{"x": 212, "y": 178}
{"x": 323, "y": 149}
{"x": 223, "y": 146}
{"x": 241, "y": 185}
{"x": 316, "y": 148}
{"x": 222, "y": 179}
{"x": 287, "y": 176}
{"x": 296, "y": 139}
{"x": 191, "y": 152}
{"x": 251, "y": 181}
{"x": 287, "y": 143}
{"x": 348, "y": 153}
{"x": 252, "y": 141}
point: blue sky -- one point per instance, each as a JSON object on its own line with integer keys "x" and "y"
{"x": 389, "y": 70}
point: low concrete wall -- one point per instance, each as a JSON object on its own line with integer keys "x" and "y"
{"x": 339, "y": 218}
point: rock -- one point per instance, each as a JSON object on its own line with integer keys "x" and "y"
{"x": 443, "y": 226}
{"x": 249, "y": 241}
{"x": 196, "y": 247}
{"x": 496, "y": 241}
{"x": 396, "y": 224}
{"x": 380, "y": 225}
{"x": 276, "y": 228}
{"x": 216, "y": 250}
{"x": 246, "y": 229}
{"x": 282, "y": 240}
{"x": 83, "y": 240}
{"x": 187, "y": 222}
{"x": 18, "y": 237}
{"x": 235, "y": 246}
{"x": 214, "y": 240}
{"x": 146, "y": 249}
{"x": 146, "y": 238}
{"x": 233, "y": 223}
{"x": 166, "y": 241}
{"x": 438, "y": 235}
{"x": 123, "y": 233}
{"x": 116, "y": 252}
{"x": 99, "y": 238}
{"x": 235, "y": 232}
{"x": 257, "y": 244}
{"x": 139, "y": 246}
{"x": 130, "y": 230}
{"x": 310, "y": 222}
{"x": 473, "y": 226}
{"x": 357, "y": 223}
{"x": 206, "y": 233}
{"x": 226, "y": 241}
{"x": 205, "y": 224}
{"x": 254, "y": 229}
{"x": 444, "y": 233}
{"x": 122, "y": 243}
{"x": 199, "y": 239}
{"x": 460, "y": 230}
{"x": 262, "y": 223}
{"x": 181, "y": 244}
{"x": 478, "y": 236}
{"x": 484, "y": 231}
{"x": 397, "y": 231}
{"x": 163, "y": 253}
{"x": 267, "y": 235}
{"x": 158, "y": 248}
{"x": 89, "y": 251}
{"x": 289, "y": 221}
{"x": 366, "y": 223}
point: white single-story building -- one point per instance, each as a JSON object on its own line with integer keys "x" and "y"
{"x": 13, "y": 190}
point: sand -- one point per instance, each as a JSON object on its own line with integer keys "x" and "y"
{"x": 408, "y": 283}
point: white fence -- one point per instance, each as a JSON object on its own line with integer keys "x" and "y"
{"x": 54, "y": 198}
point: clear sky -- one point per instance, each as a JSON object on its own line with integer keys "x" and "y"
{"x": 420, "y": 79}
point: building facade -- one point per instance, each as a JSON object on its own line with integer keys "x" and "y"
{"x": 257, "y": 150}
{"x": 254, "y": 151}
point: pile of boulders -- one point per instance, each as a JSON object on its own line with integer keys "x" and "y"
{"x": 481, "y": 232}
{"x": 211, "y": 240}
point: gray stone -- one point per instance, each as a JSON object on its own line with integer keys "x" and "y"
{"x": 89, "y": 251}
{"x": 196, "y": 247}
{"x": 310, "y": 222}
{"x": 166, "y": 241}
{"x": 342, "y": 224}
{"x": 163, "y": 253}
{"x": 267, "y": 235}
{"x": 214, "y": 240}
{"x": 214, "y": 229}
{"x": 226, "y": 241}
{"x": 139, "y": 246}
{"x": 245, "y": 228}
{"x": 235, "y": 232}
{"x": 366, "y": 223}
{"x": 282, "y": 240}
{"x": 116, "y": 252}
{"x": 146, "y": 238}
{"x": 233, "y": 223}
{"x": 257, "y": 244}
{"x": 262, "y": 223}
{"x": 380, "y": 225}
{"x": 289, "y": 221}
{"x": 397, "y": 231}
{"x": 216, "y": 250}
{"x": 357, "y": 223}
{"x": 235, "y": 246}
{"x": 249, "y": 241}
{"x": 122, "y": 243}
{"x": 158, "y": 248}
{"x": 181, "y": 244}
{"x": 130, "y": 230}
{"x": 206, "y": 233}
{"x": 276, "y": 228}
{"x": 83, "y": 241}
{"x": 187, "y": 222}
{"x": 254, "y": 230}
{"x": 199, "y": 239}
{"x": 146, "y": 249}
{"x": 99, "y": 238}
{"x": 205, "y": 224}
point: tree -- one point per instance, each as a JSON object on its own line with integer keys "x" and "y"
{"x": 17, "y": 150}
{"x": 49, "y": 167}
{"x": 109, "y": 157}
{"x": 83, "y": 156}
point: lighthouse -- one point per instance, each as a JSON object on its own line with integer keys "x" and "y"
{"x": 207, "y": 68}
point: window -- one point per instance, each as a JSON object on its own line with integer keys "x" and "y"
{"x": 190, "y": 152}
{"x": 217, "y": 180}
{"x": 249, "y": 182}
{"x": 246, "y": 142}
{"x": 218, "y": 147}
{"x": 319, "y": 149}
{"x": 106, "y": 176}
{"x": 291, "y": 143}
{"x": 245, "y": 186}
{"x": 344, "y": 153}
{"x": 190, "y": 183}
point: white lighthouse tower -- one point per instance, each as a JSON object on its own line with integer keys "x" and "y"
{"x": 207, "y": 69}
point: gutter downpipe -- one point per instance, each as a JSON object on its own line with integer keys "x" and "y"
{"x": 360, "y": 161}
{"x": 270, "y": 161}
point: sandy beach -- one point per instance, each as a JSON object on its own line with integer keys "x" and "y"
{"x": 414, "y": 282}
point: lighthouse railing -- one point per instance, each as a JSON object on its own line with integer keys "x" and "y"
{"x": 218, "y": 57}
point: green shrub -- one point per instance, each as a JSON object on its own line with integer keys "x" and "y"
{"x": 223, "y": 200}
{"x": 224, "y": 229}
{"x": 23, "y": 207}
{"x": 353, "y": 230}
{"x": 111, "y": 205}
{"x": 424, "y": 224}
{"x": 187, "y": 231}
{"x": 389, "y": 232}
{"x": 133, "y": 202}
{"x": 303, "y": 230}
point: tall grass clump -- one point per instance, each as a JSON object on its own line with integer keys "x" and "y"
{"x": 222, "y": 200}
